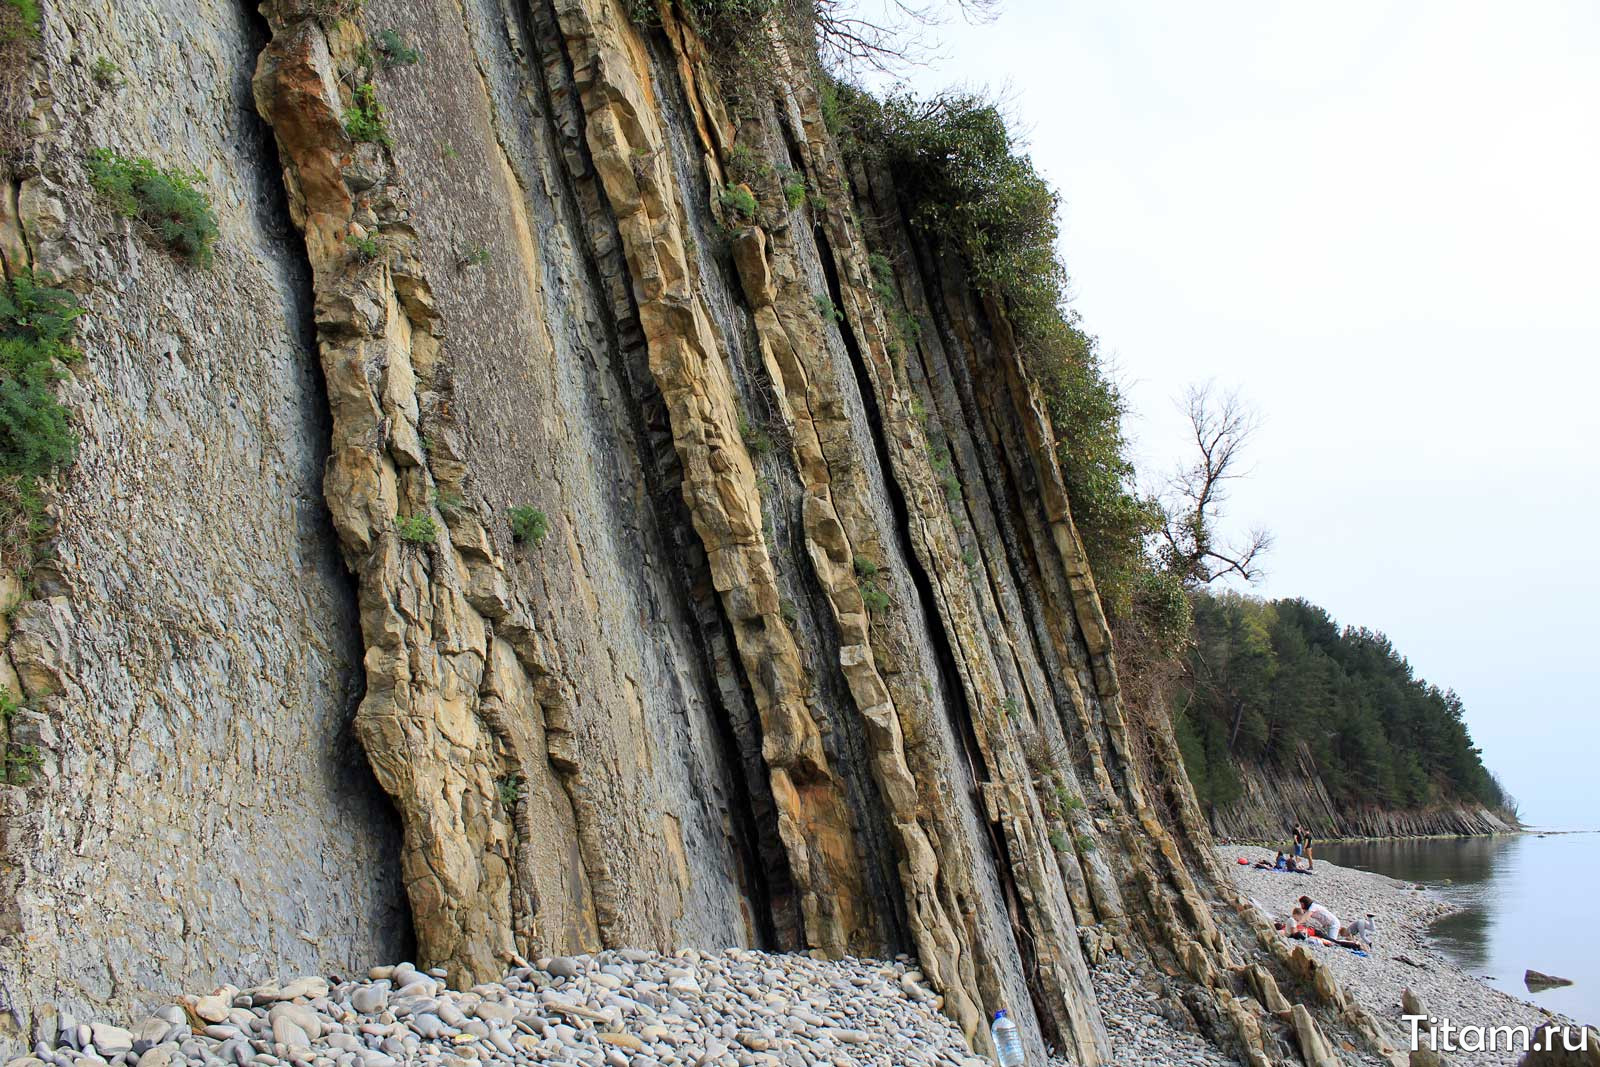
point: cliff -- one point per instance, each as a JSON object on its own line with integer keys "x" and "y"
{"x": 519, "y": 542}
{"x": 1271, "y": 802}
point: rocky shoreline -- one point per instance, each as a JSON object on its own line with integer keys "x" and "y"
{"x": 1401, "y": 956}
{"x": 621, "y": 1008}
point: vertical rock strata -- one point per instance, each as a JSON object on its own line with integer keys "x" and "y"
{"x": 806, "y": 654}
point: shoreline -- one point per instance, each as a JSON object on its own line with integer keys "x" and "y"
{"x": 1241, "y": 842}
{"x": 1402, "y": 956}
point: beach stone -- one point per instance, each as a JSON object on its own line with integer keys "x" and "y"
{"x": 562, "y": 967}
{"x": 110, "y": 1040}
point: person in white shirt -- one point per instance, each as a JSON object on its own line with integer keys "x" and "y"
{"x": 1320, "y": 919}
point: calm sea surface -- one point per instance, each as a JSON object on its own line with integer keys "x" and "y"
{"x": 1530, "y": 901}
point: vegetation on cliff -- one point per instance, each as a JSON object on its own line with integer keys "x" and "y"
{"x": 1265, "y": 678}
{"x": 1244, "y": 679}
{"x": 965, "y": 181}
{"x": 36, "y": 435}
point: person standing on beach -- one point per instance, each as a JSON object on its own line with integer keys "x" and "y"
{"x": 1298, "y": 839}
{"x": 1310, "y": 861}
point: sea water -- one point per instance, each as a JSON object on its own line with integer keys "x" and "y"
{"x": 1527, "y": 901}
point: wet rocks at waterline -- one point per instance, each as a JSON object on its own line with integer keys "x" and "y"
{"x": 623, "y": 1008}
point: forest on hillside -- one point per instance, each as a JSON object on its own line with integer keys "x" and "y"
{"x": 1265, "y": 677}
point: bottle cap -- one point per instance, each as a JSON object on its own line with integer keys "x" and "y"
{"x": 1001, "y": 1014}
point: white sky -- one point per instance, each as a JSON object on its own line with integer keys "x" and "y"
{"x": 1381, "y": 222}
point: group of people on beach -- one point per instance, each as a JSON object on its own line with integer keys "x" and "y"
{"x": 1313, "y": 920}
{"x": 1300, "y": 861}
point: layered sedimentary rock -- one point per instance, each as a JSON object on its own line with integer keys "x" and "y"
{"x": 1272, "y": 802}
{"x": 654, "y": 589}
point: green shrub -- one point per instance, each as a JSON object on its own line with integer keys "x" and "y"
{"x": 1059, "y": 841}
{"x": 1012, "y": 707}
{"x": 105, "y": 73}
{"x": 876, "y": 600}
{"x": 787, "y": 609}
{"x": 865, "y": 568}
{"x": 368, "y": 248}
{"x": 794, "y": 187}
{"x": 739, "y": 200}
{"x": 36, "y": 435}
{"x": 756, "y": 438}
{"x": 971, "y": 189}
{"x": 1085, "y": 843}
{"x": 19, "y": 19}
{"x": 745, "y": 163}
{"x": 20, "y": 763}
{"x": 168, "y": 201}
{"x": 417, "y": 529}
{"x": 396, "y": 50}
{"x": 366, "y": 119}
{"x": 476, "y": 256}
{"x": 510, "y": 790}
{"x": 528, "y": 525}
{"x": 1069, "y": 801}
{"x": 827, "y": 309}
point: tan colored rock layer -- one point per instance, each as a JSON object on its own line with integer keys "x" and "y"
{"x": 446, "y": 652}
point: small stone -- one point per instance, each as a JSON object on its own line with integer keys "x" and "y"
{"x": 562, "y": 967}
{"x": 110, "y": 1040}
{"x": 369, "y": 999}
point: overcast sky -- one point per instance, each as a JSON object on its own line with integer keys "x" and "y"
{"x": 1381, "y": 223}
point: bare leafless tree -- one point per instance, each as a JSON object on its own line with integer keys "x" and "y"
{"x": 1192, "y": 504}
{"x": 886, "y": 35}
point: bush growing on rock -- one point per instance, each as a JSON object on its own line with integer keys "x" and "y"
{"x": 529, "y": 525}
{"x": 396, "y": 50}
{"x": 417, "y": 529}
{"x": 36, "y": 436}
{"x": 168, "y": 201}
{"x": 19, "y": 19}
{"x": 366, "y": 119}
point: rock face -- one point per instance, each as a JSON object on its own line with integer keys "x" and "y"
{"x": 1271, "y": 802}
{"x": 508, "y": 524}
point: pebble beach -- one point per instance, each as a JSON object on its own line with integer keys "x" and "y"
{"x": 623, "y": 1008}
{"x": 1400, "y": 958}
{"x": 744, "y": 1008}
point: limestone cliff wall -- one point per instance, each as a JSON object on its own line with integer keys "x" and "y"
{"x": 809, "y": 656}
{"x": 1272, "y": 802}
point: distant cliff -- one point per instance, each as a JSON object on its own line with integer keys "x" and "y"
{"x": 1284, "y": 718}
{"x": 1271, "y": 802}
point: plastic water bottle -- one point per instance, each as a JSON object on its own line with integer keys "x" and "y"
{"x": 1006, "y": 1040}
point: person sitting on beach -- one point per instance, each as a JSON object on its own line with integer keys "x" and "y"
{"x": 1320, "y": 919}
{"x": 1297, "y": 927}
{"x": 1270, "y": 865}
{"x": 1281, "y": 863}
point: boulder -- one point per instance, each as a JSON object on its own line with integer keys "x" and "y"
{"x": 1538, "y": 980}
